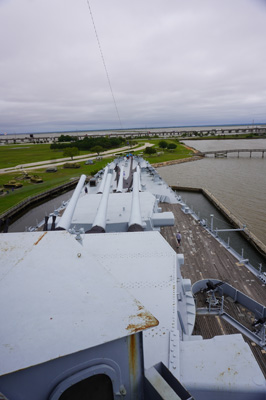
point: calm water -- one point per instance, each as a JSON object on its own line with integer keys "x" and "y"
{"x": 235, "y": 240}
{"x": 238, "y": 183}
{"x": 37, "y": 214}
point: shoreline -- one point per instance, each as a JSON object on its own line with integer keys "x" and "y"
{"x": 248, "y": 235}
{"x": 20, "y": 209}
{"x": 17, "y": 211}
{"x": 13, "y": 213}
{"x": 181, "y": 161}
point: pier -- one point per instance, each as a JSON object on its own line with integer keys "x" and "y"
{"x": 224, "y": 153}
{"x": 206, "y": 258}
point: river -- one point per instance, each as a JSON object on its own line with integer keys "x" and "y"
{"x": 34, "y": 216}
{"x": 238, "y": 183}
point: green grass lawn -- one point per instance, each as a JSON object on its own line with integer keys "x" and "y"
{"x": 168, "y": 155}
{"x": 13, "y": 155}
{"x": 50, "y": 180}
{"x": 16, "y": 154}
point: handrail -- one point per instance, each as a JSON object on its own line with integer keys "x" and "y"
{"x": 233, "y": 151}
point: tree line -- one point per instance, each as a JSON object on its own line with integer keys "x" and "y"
{"x": 163, "y": 145}
{"x": 88, "y": 143}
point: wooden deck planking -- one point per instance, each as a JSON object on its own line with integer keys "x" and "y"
{"x": 205, "y": 257}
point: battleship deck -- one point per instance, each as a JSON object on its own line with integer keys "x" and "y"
{"x": 206, "y": 258}
{"x": 119, "y": 302}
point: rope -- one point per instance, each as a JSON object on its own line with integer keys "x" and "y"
{"x": 104, "y": 64}
{"x": 224, "y": 222}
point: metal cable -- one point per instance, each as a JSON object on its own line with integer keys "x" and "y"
{"x": 104, "y": 64}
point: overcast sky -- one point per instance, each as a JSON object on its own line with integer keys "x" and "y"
{"x": 170, "y": 63}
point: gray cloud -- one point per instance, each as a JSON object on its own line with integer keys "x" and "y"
{"x": 170, "y": 63}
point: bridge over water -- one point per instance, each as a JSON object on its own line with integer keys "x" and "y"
{"x": 223, "y": 153}
{"x": 50, "y": 137}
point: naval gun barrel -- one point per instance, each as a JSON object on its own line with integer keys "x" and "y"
{"x": 120, "y": 182}
{"x": 65, "y": 220}
{"x": 135, "y": 221}
{"x": 101, "y": 188}
{"x": 99, "y": 222}
{"x": 138, "y": 171}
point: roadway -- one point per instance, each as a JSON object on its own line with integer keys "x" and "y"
{"x": 61, "y": 161}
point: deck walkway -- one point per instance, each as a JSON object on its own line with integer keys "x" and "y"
{"x": 206, "y": 258}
